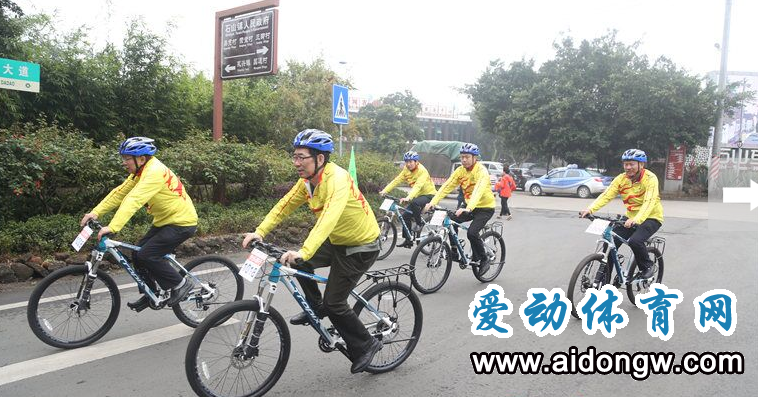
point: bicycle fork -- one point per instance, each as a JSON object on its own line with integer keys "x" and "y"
{"x": 82, "y": 302}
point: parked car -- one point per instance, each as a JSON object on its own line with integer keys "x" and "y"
{"x": 569, "y": 180}
{"x": 529, "y": 170}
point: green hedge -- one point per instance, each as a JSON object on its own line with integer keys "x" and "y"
{"x": 51, "y": 175}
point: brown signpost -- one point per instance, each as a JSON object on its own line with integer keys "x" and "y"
{"x": 245, "y": 46}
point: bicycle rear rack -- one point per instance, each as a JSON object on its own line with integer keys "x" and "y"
{"x": 496, "y": 226}
{"x": 396, "y": 272}
{"x": 657, "y": 242}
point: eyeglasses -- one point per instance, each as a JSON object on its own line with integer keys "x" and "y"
{"x": 299, "y": 159}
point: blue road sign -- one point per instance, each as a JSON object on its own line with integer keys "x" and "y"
{"x": 340, "y": 110}
{"x": 17, "y": 75}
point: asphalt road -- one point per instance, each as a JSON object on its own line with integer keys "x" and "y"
{"x": 143, "y": 354}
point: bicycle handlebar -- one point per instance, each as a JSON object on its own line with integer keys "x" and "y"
{"x": 619, "y": 219}
{"x": 273, "y": 250}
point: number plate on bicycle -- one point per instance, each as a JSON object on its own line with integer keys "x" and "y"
{"x": 438, "y": 218}
{"x": 253, "y": 264}
{"x": 386, "y": 205}
{"x": 597, "y": 227}
{"x": 82, "y": 238}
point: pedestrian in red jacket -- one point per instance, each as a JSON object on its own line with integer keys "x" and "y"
{"x": 504, "y": 187}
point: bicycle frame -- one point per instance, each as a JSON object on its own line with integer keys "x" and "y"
{"x": 607, "y": 247}
{"x": 106, "y": 245}
{"x": 397, "y": 210}
{"x": 285, "y": 275}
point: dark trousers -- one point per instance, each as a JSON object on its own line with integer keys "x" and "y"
{"x": 157, "y": 242}
{"x": 478, "y": 218}
{"x": 639, "y": 234}
{"x": 414, "y": 212}
{"x": 504, "y": 210}
{"x": 344, "y": 274}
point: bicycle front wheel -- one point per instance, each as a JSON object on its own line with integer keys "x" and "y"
{"x": 220, "y": 360}
{"x": 397, "y": 303}
{"x": 431, "y": 263}
{"x": 387, "y": 238}
{"x": 585, "y": 277}
{"x": 637, "y": 287}
{"x": 494, "y": 246}
{"x": 56, "y": 316}
{"x": 224, "y": 285}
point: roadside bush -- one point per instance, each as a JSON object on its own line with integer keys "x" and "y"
{"x": 374, "y": 170}
{"x": 48, "y": 169}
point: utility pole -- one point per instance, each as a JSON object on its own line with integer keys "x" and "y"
{"x": 722, "y": 80}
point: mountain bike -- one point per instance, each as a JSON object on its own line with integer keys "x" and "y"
{"x": 432, "y": 260}
{"x": 77, "y": 305}
{"x": 388, "y": 230}
{"x": 243, "y": 347}
{"x": 593, "y": 271}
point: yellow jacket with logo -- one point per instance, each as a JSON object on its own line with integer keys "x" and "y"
{"x": 640, "y": 198}
{"x": 344, "y": 215}
{"x": 477, "y": 189}
{"x": 155, "y": 186}
{"x": 419, "y": 180}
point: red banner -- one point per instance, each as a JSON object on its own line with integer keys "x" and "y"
{"x": 675, "y": 163}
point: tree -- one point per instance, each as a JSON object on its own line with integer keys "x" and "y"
{"x": 393, "y": 123}
{"x": 592, "y": 101}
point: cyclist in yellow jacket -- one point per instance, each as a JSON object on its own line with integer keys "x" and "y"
{"x": 638, "y": 188}
{"x": 344, "y": 238}
{"x": 474, "y": 179}
{"x": 151, "y": 184}
{"x": 422, "y": 191}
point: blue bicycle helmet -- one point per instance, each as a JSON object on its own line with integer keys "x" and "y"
{"x": 470, "y": 148}
{"x": 314, "y": 139}
{"x": 411, "y": 155}
{"x": 634, "y": 155}
{"x": 138, "y": 146}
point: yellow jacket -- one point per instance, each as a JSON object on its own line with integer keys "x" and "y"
{"x": 419, "y": 180}
{"x": 640, "y": 198}
{"x": 155, "y": 186}
{"x": 477, "y": 189}
{"x": 344, "y": 215}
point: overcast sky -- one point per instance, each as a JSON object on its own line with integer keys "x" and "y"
{"x": 431, "y": 47}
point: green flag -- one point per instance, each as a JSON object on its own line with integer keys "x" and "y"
{"x": 351, "y": 167}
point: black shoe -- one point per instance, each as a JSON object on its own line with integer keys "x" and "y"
{"x": 300, "y": 319}
{"x": 646, "y": 274}
{"x": 484, "y": 266}
{"x": 407, "y": 243}
{"x": 180, "y": 294}
{"x": 140, "y": 304}
{"x": 362, "y": 362}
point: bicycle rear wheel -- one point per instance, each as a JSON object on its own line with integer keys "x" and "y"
{"x": 218, "y": 273}
{"x": 637, "y": 287}
{"x": 387, "y": 238}
{"x": 58, "y": 319}
{"x": 494, "y": 245}
{"x": 219, "y": 362}
{"x": 583, "y": 279}
{"x": 431, "y": 262}
{"x": 397, "y": 302}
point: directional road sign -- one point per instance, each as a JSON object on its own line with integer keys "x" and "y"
{"x": 18, "y": 75}
{"x": 248, "y": 45}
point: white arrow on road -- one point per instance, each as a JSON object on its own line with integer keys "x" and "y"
{"x": 742, "y": 195}
{"x": 229, "y": 68}
{"x": 263, "y": 50}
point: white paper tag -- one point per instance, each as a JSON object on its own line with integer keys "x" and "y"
{"x": 386, "y": 204}
{"x": 253, "y": 264}
{"x": 82, "y": 238}
{"x": 438, "y": 218}
{"x": 597, "y": 227}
